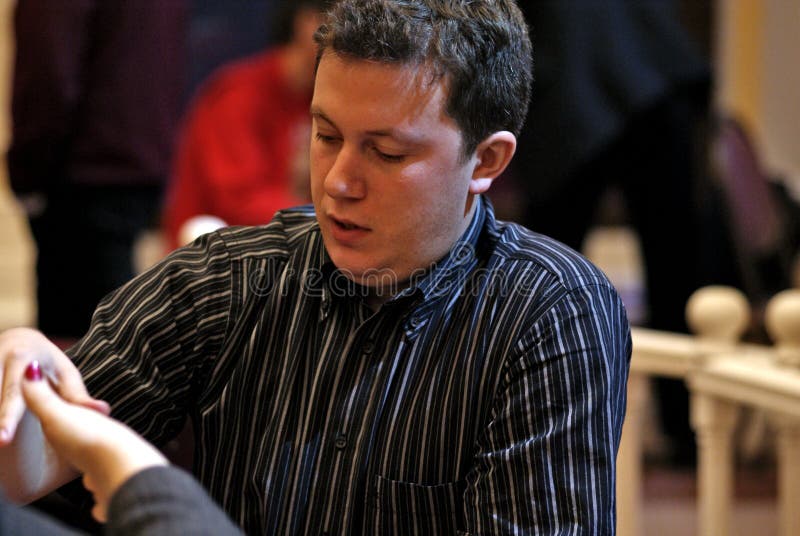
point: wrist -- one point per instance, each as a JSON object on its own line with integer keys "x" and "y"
{"x": 122, "y": 464}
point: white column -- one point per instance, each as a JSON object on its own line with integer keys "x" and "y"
{"x": 782, "y": 319}
{"x": 629, "y": 460}
{"x": 788, "y": 446}
{"x": 713, "y": 421}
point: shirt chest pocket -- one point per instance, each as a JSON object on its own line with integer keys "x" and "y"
{"x": 396, "y": 507}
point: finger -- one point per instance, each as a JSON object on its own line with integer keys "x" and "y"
{"x": 99, "y": 512}
{"x": 12, "y": 405}
{"x": 69, "y": 384}
{"x": 63, "y": 424}
{"x": 99, "y": 508}
{"x": 42, "y": 401}
{"x": 100, "y": 406}
{"x": 88, "y": 483}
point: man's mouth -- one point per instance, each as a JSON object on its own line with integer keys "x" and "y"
{"x": 347, "y": 225}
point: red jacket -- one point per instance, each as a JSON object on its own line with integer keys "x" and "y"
{"x": 236, "y": 150}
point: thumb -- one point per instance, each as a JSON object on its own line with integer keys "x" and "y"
{"x": 40, "y": 398}
{"x": 64, "y": 425}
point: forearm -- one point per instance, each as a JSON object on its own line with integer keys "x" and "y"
{"x": 29, "y": 468}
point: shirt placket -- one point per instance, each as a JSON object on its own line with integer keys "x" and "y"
{"x": 347, "y": 439}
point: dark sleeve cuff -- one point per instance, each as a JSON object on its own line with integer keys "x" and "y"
{"x": 165, "y": 500}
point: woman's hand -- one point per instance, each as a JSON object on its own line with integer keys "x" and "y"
{"x": 20, "y": 346}
{"x": 106, "y": 451}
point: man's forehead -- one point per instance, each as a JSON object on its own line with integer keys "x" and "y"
{"x": 413, "y": 76}
{"x": 395, "y": 90}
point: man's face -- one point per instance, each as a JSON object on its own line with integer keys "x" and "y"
{"x": 388, "y": 180}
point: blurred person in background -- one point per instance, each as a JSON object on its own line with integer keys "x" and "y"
{"x": 243, "y": 149}
{"x": 620, "y": 94}
{"x": 96, "y": 99}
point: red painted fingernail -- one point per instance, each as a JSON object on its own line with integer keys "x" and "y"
{"x": 33, "y": 372}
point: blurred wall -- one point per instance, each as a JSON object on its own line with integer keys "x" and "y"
{"x": 6, "y": 43}
{"x": 780, "y": 99}
{"x": 17, "y": 253}
{"x": 758, "y": 76}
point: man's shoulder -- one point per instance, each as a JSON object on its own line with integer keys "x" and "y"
{"x": 521, "y": 250}
{"x": 289, "y": 230}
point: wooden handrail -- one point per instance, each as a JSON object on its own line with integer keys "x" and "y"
{"x": 723, "y": 376}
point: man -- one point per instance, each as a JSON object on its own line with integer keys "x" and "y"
{"x": 396, "y": 361}
{"x": 243, "y": 150}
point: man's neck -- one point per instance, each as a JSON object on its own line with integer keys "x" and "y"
{"x": 377, "y": 296}
{"x": 376, "y": 300}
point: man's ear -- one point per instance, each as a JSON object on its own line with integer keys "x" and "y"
{"x": 493, "y": 155}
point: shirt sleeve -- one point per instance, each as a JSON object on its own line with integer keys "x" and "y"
{"x": 152, "y": 342}
{"x": 546, "y": 460}
{"x": 165, "y": 500}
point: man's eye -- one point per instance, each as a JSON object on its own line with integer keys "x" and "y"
{"x": 325, "y": 139}
{"x": 394, "y": 158}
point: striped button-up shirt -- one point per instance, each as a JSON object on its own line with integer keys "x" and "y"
{"x": 485, "y": 398}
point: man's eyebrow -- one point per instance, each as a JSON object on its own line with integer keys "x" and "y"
{"x": 401, "y": 137}
{"x": 319, "y": 114}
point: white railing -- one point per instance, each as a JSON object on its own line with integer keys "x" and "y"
{"x": 723, "y": 376}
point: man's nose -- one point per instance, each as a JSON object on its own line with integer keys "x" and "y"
{"x": 345, "y": 178}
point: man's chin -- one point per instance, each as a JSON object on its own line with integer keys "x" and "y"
{"x": 363, "y": 271}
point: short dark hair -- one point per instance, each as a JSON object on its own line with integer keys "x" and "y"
{"x": 480, "y": 47}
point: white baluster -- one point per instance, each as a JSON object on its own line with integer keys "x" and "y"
{"x": 718, "y": 313}
{"x": 713, "y": 421}
{"x": 782, "y": 320}
{"x": 718, "y": 316}
{"x": 629, "y": 460}
{"x": 788, "y": 447}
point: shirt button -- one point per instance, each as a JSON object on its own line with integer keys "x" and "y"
{"x": 369, "y": 347}
{"x": 341, "y": 442}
